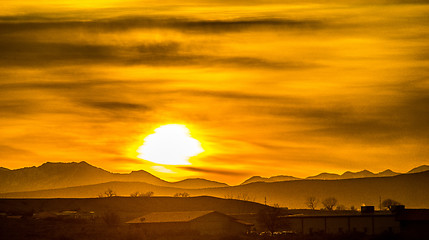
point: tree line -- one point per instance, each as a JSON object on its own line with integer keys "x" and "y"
{"x": 331, "y": 203}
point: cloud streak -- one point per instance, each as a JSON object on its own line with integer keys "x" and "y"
{"x": 24, "y": 23}
{"x": 41, "y": 54}
{"x": 215, "y": 171}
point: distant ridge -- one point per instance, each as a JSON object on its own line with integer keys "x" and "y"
{"x": 408, "y": 189}
{"x": 54, "y": 175}
{"x": 334, "y": 176}
{"x": 270, "y": 179}
{"x": 351, "y": 175}
{"x": 61, "y": 175}
{"x": 325, "y": 176}
{"x": 196, "y": 183}
{"x": 387, "y": 173}
{"x": 422, "y": 168}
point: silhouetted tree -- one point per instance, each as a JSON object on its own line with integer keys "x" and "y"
{"x": 148, "y": 194}
{"x": 271, "y": 219}
{"x": 329, "y": 203}
{"x": 184, "y": 194}
{"x": 243, "y": 196}
{"x": 229, "y": 196}
{"x": 311, "y": 202}
{"x": 109, "y": 193}
{"x": 138, "y": 194}
{"x": 340, "y": 207}
{"x": 135, "y": 194}
{"x": 389, "y": 203}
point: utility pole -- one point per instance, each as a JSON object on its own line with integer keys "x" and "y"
{"x": 379, "y": 203}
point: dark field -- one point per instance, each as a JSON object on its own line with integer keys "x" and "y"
{"x": 48, "y": 229}
{"x": 105, "y": 218}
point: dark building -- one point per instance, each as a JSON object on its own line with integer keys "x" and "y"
{"x": 203, "y": 222}
{"x": 414, "y": 223}
{"x": 410, "y": 223}
{"x": 342, "y": 223}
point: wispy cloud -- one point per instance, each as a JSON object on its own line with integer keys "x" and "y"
{"x": 13, "y": 24}
{"x": 215, "y": 171}
{"x": 117, "y": 106}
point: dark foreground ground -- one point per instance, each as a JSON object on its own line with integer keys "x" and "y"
{"x": 79, "y": 229}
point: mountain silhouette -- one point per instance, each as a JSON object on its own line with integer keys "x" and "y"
{"x": 325, "y": 176}
{"x": 422, "y": 168}
{"x": 350, "y": 175}
{"x": 82, "y": 180}
{"x": 270, "y": 179}
{"x": 387, "y": 173}
{"x": 196, "y": 183}
{"x": 408, "y": 189}
{"x": 4, "y": 169}
{"x": 61, "y": 175}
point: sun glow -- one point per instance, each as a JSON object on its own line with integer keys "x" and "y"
{"x": 171, "y": 144}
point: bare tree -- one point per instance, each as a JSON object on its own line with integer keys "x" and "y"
{"x": 340, "y": 207}
{"x": 148, "y": 194}
{"x": 135, "y": 194}
{"x": 229, "y": 196}
{"x": 138, "y": 194}
{"x": 312, "y": 202}
{"x": 243, "y": 196}
{"x": 271, "y": 219}
{"x": 184, "y": 194}
{"x": 389, "y": 203}
{"x": 329, "y": 203}
{"x": 109, "y": 193}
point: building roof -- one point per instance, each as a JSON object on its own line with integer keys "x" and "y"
{"x": 159, "y": 217}
{"x": 339, "y": 215}
{"x": 168, "y": 217}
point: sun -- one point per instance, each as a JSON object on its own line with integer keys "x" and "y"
{"x": 171, "y": 144}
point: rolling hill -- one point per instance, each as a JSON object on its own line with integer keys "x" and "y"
{"x": 408, "y": 189}
{"x": 128, "y": 207}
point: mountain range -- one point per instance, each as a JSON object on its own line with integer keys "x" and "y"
{"x": 333, "y": 176}
{"x": 59, "y": 175}
{"x": 81, "y": 180}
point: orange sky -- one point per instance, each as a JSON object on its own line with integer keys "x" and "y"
{"x": 267, "y": 88}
